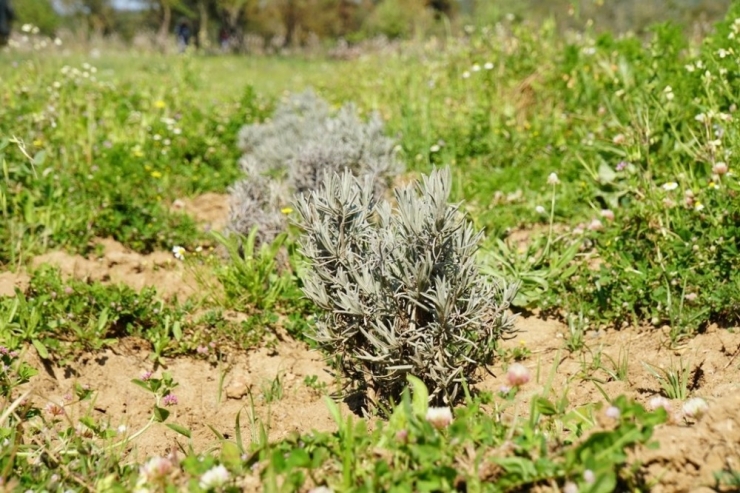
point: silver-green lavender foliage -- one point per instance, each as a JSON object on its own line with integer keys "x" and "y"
{"x": 399, "y": 286}
{"x": 296, "y": 151}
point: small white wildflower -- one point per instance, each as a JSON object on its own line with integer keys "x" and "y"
{"x": 488, "y": 66}
{"x": 589, "y": 476}
{"x": 695, "y": 408}
{"x": 722, "y": 53}
{"x": 659, "y": 401}
{"x": 215, "y": 477}
{"x": 613, "y": 412}
{"x": 720, "y": 168}
{"x": 122, "y": 429}
{"x": 570, "y": 487}
{"x": 156, "y": 469}
{"x": 434, "y": 148}
{"x": 701, "y": 117}
{"x": 698, "y": 206}
{"x": 595, "y": 225}
{"x": 465, "y": 74}
{"x": 690, "y": 67}
{"x": 607, "y": 214}
{"x": 475, "y": 68}
{"x": 553, "y": 179}
{"x": 439, "y": 417}
{"x": 540, "y": 210}
{"x": 178, "y": 252}
{"x": 671, "y": 185}
{"x": 517, "y": 375}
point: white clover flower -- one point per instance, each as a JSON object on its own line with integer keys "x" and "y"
{"x": 613, "y": 412}
{"x": 595, "y": 225}
{"x": 178, "y": 252}
{"x": 570, "y": 487}
{"x": 439, "y": 417}
{"x": 434, "y": 148}
{"x": 553, "y": 179}
{"x": 540, "y": 210}
{"x": 607, "y": 214}
{"x": 215, "y": 477}
{"x": 465, "y": 74}
{"x": 689, "y": 68}
{"x": 156, "y": 469}
{"x": 722, "y": 53}
{"x": 671, "y": 185}
{"x": 488, "y": 66}
{"x": 695, "y": 408}
{"x": 517, "y": 375}
{"x": 659, "y": 401}
{"x": 475, "y": 68}
{"x": 720, "y": 168}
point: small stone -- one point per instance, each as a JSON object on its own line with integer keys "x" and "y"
{"x": 237, "y": 389}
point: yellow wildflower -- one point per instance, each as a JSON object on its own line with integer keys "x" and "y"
{"x": 286, "y": 210}
{"x": 159, "y": 104}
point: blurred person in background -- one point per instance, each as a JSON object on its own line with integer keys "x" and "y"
{"x": 6, "y": 18}
{"x": 183, "y": 34}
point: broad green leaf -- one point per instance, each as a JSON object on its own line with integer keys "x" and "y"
{"x": 180, "y": 429}
{"x": 43, "y": 353}
{"x": 420, "y": 397}
{"x": 160, "y": 414}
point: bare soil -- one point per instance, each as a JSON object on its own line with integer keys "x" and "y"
{"x": 211, "y": 395}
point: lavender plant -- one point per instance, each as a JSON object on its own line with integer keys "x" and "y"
{"x": 296, "y": 151}
{"x": 399, "y": 287}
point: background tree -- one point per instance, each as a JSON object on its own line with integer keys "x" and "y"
{"x": 39, "y": 13}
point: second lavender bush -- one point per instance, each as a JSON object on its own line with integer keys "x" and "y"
{"x": 296, "y": 151}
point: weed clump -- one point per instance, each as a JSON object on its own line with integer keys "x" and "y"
{"x": 399, "y": 287}
{"x": 296, "y": 151}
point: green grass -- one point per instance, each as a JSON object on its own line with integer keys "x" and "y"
{"x": 641, "y": 228}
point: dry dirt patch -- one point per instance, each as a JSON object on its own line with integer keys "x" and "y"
{"x": 209, "y": 209}
{"x": 11, "y": 280}
{"x": 690, "y": 453}
{"x": 117, "y": 264}
{"x": 202, "y": 399}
